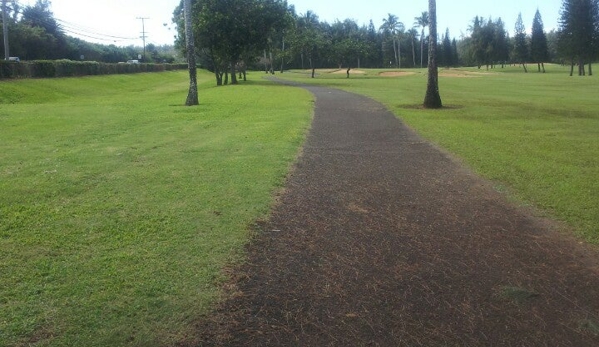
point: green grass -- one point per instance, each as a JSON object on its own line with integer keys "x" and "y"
{"x": 119, "y": 207}
{"x": 535, "y": 135}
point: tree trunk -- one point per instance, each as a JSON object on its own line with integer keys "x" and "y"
{"x": 192, "y": 95}
{"x": 590, "y": 69}
{"x": 226, "y": 78}
{"x": 233, "y": 75}
{"x": 539, "y": 67}
{"x": 422, "y": 49}
{"x": 395, "y": 52}
{"x": 283, "y": 57}
{"x": 265, "y": 63}
{"x": 432, "y": 99}
{"x": 348, "y": 70}
{"x": 219, "y": 78}
{"x": 398, "y": 54}
{"x": 413, "y": 53}
{"x": 5, "y": 30}
{"x": 272, "y": 64}
{"x": 543, "y": 67}
{"x": 572, "y": 68}
{"x": 524, "y": 66}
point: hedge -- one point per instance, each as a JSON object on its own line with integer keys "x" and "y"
{"x": 70, "y": 68}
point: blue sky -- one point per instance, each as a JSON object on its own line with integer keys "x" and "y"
{"x": 455, "y": 15}
{"x": 115, "y": 21}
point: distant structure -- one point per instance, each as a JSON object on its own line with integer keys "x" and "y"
{"x": 143, "y": 34}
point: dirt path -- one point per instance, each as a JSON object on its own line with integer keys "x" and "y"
{"x": 380, "y": 239}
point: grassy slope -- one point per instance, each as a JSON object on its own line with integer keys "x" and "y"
{"x": 119, "y": 207}
{"x": 536, "y": 135}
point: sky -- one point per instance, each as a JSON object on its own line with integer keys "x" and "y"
{"x": 116, "y": 21}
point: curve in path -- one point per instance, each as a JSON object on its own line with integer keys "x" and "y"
{"x": 381, "y": 239}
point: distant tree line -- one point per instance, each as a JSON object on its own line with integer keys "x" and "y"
{"x": 231, "y": 35}
{"x": 34, "y": 34}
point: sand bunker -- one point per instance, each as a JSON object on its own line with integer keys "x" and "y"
{"x": 352, "y": 71}
{"x": 396, "y": 73}
{"x": 464, "y": 74}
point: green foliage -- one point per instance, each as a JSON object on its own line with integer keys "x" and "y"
{"x": 68, "y": 68}
{"x": 521, "y": 49}
{"x": 539, "y": 51}
{"x": 579, "y": 31}
{"x": 230, "y": 31}
{"x": 120, "y": 206}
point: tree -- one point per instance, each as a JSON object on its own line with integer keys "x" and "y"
{"x": 192, "y": 95}
{"x": 539, "y": 52}
{"x": 422, "y": 21}
{"x": 393, "y": 27}
{"x": 432, "y": 99}
{"x": 5, "y": 29}
{"x": 447, "y": 54}
{"x": 521, "y": 52}
{"x": 308, "y": 38}
{"x": 231, "y": 32}
{"x": 579, "y": 32}
{"x": 502, "y": 51}
{"x": 412, "y": 33}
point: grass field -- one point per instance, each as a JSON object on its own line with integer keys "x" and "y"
{"x": 535, "y": 135}
{"x": 119, "y": 206}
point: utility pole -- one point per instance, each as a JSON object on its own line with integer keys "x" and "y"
{"x": 5, "y": 30}
{"x": 143, "y": 34}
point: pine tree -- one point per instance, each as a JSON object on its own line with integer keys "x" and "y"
{"x": 520, "y": 45}
{"x": 539, "y": 53}
{"x": 579, "y": 32}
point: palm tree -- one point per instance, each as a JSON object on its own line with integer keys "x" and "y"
{"x": 413, "y": 33}
{"x": 393, "y": 26}
{"x": 432, "y": 99}
{"x": 422, "y": 21}
{"x": 192, "y": 95}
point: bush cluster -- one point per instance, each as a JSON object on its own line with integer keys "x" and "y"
{"x": 70, "y": 68}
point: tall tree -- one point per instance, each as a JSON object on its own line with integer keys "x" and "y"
{"x": 432, "y": 99}
{"x": 192, "y": 95}
{"x": 502, "y": 51}
{"x": 422, "y": 21}
{"x": 412, "y": 33}
{"x": 521, "y": 52}
{"x": 447, "y": 54}
{"x": 579, "y": 32}
{"x": 539, "y": 53}
{"x": 393, "y": 27}
{"x": 5, "y": 29}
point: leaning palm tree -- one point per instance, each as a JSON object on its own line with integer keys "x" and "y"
{"x": 393, "y": 26}
{"x": 423, "y": 22}
{"x": 432, "y": 99}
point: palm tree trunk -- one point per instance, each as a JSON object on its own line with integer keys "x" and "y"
{"x": 432, "y": 99}
{"x": 395, "y": 52}
{"x": 422, "y": 49}
{"x": 398, "y": 54}
{"x": 413, "y": 52}
{"x": 192, "y": 95}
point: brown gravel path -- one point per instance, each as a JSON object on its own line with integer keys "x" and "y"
{"x": 381, "y": 239}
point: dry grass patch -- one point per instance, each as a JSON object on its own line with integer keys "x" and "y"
{"x": 396, "y": 73}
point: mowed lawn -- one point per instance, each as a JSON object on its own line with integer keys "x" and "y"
{"x": 119, "y": 207}
{"x": 535, "y": 135}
